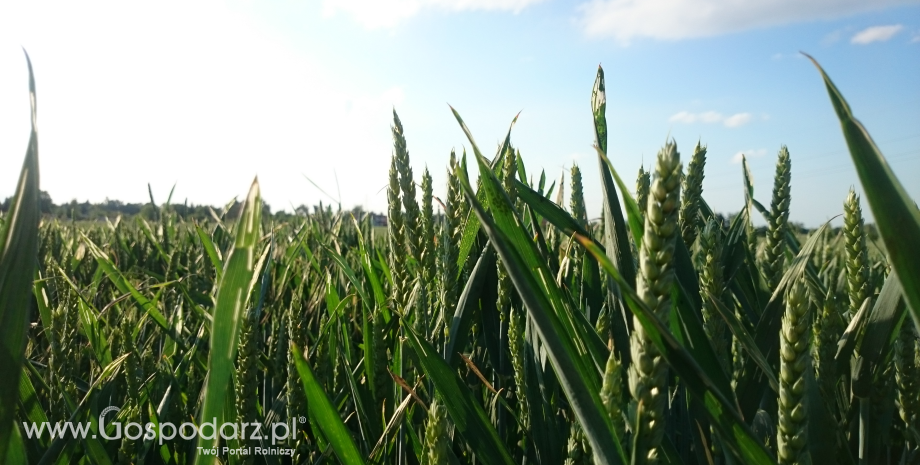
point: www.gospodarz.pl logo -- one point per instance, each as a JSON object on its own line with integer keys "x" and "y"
{"x": 166, "y": 431}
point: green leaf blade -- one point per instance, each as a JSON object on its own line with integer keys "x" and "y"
{"x": 234, "y": 291}
{"x": 325, "y": 414}
{"x": 18, "y": 258}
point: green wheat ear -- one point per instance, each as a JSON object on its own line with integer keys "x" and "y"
{"x": 516, "y": 328}
{"x": 828, "y": 328}
{"x": 246, "y": 373}
{"x": 690, "y": 220}
{"x": 712, "y": 283}
{"x": 612, "y": 396}
{"x": 779, "y": 216}
{"x": 578, "y": 452}
{"x": 643, "y": 183}
{"x": 397, "y": 240}
{"x": 412, "y": 215}
{"x": 648, "y": 374}
{"x": 857, "y": 256}
{"x": 428, "y": 270}
{"x": 795, "y": 342}
{"x": 907, "y": 377}
{"x": 579, "y": 213}
{"x": 505, "y": 286}
{"x": 449, "y": 242}
{"x": 437, "y": 439}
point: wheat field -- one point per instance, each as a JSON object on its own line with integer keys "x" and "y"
{"x": 505, "y": 328}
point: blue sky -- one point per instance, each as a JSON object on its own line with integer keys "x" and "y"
{"x": 206, "y": 95}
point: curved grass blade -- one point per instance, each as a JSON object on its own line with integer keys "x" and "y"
{"x": 579, "y": 381}
{"x": 212, "y": 252}
{"x": 615, "y": 228}
{"x": 323, "y": 412}
{"x": 881, "y": 329}
{"x": 468, "y": 303}
{"x": 633, "y": 215}
{"x": 235, "y": 289}
{"x": 575, "y": 323}
{"x": 896, "y": 215}
{"x": 618, "y": 248}
{"x": 749, "y": 190}
{"x": 349, "y": 273}
{"x": 368, "y": 266}
{"x": 30, "y": 408}
{"x": 591, "y": 290}
{"x": 18, "y": 257}
{"x": 471, "y": 226}
{"x": 470, "y": 420}
{"x": 847, "y": 342}
{"x": 549, "y": 210}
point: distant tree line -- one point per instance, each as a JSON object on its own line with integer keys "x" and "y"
{"x": 86, "y": 211}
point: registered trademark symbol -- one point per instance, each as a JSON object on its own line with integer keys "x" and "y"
{"x": 302, "y": 419}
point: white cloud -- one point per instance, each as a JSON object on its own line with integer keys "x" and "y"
{"x": 750, "y": 153}
{"x": 705, "y": 117}
{"x": 625, "y": 20}
{"x": 738, "y": 119}
{"x": 733, "y": 121}
{"x": 376, "y": 14}
{"x": 876, "y": 34}
{"x": 915, "y": 39}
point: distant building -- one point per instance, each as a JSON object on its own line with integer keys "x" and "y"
{"x": 376, "y": 220}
